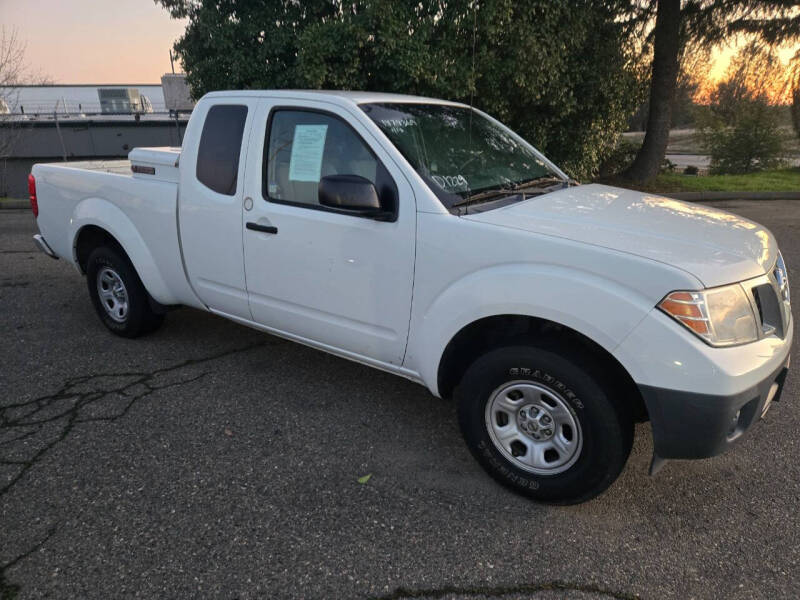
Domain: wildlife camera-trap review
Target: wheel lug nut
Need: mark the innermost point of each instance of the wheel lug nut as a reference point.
(545, 419)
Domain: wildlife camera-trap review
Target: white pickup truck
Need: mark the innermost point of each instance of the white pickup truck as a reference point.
(424, 238)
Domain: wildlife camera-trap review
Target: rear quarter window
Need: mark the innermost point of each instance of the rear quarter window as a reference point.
(220, 147)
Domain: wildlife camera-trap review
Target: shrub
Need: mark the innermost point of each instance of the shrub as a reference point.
(618, 159)
(745, 138)
(741, 127)
(667, 166)
(691, 170)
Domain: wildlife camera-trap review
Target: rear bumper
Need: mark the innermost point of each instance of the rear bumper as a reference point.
(43, 246)
(690, 425)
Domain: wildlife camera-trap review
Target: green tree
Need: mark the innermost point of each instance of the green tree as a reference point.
(561, 74)
(742, 126)
(694, 69)
(705, 22)
(794, 88)
(692, 74)
(748, 140)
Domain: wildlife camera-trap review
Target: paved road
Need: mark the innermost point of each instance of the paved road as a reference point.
(681, 161)
(209, 460)
(703, 161)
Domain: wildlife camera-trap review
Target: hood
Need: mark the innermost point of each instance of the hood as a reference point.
(715, 246)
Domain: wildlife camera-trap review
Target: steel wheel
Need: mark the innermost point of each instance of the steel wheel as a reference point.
(534, 427)
(113, 295)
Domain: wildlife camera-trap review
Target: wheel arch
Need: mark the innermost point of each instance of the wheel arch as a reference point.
(478, 337)
(95, 222)
(87, 239)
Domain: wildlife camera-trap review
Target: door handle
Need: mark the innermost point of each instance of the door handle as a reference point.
(262, 228)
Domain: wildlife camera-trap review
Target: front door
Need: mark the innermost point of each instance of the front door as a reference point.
(321, 274)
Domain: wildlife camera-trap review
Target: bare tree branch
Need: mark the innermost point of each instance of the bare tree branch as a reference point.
(13, 73)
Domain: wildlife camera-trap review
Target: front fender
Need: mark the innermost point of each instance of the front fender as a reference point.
(105, 215)
(602, 310)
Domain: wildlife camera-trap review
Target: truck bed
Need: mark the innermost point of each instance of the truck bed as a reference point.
(119, 167)
(139, 209)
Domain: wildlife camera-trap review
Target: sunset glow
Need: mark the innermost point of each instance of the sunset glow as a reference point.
(94, 41)
(721, 59)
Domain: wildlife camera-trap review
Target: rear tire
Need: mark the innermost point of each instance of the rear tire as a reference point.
(117, 293)
(542, 425)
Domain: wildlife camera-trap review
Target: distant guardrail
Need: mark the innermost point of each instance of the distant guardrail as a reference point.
(71, 107)
(77, 116)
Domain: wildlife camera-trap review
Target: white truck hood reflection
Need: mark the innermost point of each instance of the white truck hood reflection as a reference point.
(715, 246)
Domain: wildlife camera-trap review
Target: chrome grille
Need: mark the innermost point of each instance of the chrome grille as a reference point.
(781, 276)
(769, 298)
(769, 309)
(769, 295)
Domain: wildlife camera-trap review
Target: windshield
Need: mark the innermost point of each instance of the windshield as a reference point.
(462, 155)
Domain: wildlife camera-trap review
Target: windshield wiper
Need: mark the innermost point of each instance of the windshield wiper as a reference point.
(480, 196)
(506, 190)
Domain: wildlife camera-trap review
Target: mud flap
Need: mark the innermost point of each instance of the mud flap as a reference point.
(656, 464)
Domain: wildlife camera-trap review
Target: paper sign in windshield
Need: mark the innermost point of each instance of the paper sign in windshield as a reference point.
(308, 145)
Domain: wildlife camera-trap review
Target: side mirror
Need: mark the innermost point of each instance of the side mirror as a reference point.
(350, 192)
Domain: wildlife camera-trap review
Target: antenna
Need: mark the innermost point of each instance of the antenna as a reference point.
(474, 37)
(472, 79)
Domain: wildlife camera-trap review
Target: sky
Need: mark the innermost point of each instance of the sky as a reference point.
(94, 41)
(124, 41)
(721, 57)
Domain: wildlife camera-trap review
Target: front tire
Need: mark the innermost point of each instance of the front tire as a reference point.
(542, 425)
(117, 293)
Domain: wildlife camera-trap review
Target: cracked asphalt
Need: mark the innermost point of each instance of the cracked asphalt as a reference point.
(210, 460)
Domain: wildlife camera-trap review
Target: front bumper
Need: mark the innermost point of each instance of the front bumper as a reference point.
(691, 425)
(693, 391)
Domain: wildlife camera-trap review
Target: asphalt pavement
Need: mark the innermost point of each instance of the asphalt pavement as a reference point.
(210, 460)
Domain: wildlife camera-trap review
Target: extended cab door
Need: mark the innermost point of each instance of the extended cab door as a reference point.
(212, 167)
(321, 274)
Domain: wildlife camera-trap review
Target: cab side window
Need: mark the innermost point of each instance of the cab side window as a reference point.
(220, 147)
(305, 146)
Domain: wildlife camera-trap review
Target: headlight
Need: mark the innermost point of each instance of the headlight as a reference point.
(720, 316)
